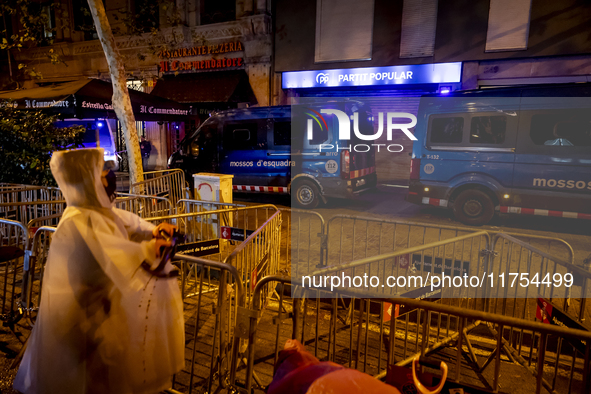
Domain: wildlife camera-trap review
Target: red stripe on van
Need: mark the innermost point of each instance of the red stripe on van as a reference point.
(363, 172)
(260, 189)
(543, 212)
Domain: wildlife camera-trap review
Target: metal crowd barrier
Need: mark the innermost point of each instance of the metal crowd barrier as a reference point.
(454, 256)
(26, 202)
(259, 254)
(186, 205)
(14, 244)
(351, 237)
(206, 227)
(168, 183)
(304, 246)
(34, 269)
(213, 334)
(352, 331)
(225, 329)
(509, 254)
(144, 206)
(211, 365)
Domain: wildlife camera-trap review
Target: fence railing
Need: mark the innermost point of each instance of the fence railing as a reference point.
(14, 247)
(144, 206)
(352, 332)
(168, 183)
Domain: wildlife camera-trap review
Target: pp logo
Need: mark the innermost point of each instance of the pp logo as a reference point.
(322, 78)
(429, 168)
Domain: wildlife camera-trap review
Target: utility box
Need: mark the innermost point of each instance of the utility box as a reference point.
(213, 187)
(217, 188)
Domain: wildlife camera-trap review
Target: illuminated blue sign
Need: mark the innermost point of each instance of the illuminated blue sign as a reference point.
(374, 76)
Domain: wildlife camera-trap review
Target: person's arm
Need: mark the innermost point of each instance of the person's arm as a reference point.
(119, 257)
(137, 228)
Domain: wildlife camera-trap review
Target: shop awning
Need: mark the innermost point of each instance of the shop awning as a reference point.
(91, 99)
(206, 87)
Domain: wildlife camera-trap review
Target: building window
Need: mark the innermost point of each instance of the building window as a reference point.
(147, 15)
(508, 25)
(488, 129)
(217, 11)
(419, 20)
(83, 20)
(43, 26)
(344, 30)
(447, 130)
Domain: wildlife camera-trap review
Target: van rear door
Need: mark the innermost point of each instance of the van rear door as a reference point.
(553, 161)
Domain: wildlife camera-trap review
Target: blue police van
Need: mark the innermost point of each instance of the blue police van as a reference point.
(268, 153)
(520, 150)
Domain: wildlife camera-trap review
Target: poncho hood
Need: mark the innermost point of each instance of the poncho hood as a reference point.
(78, 174)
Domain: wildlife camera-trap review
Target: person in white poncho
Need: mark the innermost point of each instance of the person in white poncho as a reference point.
(105, 324)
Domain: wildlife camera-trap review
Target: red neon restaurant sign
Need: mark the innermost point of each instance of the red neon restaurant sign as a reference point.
(179, 65)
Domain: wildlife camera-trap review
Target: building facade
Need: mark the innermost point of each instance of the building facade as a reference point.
(366, 48)
(212, 54)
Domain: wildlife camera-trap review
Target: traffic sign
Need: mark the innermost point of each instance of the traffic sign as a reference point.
(234, 233)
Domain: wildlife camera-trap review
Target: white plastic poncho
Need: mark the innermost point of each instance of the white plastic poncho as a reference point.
(104, 324)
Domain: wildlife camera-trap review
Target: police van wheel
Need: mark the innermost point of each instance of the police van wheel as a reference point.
(473, 207)
(306, 194)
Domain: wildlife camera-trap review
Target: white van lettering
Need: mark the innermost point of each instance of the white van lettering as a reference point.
(241, 164)
(561, 183)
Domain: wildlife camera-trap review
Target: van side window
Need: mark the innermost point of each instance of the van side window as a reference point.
(561, 128)
(488, 129)
(282, 133)
(447, 130)
(240, 135)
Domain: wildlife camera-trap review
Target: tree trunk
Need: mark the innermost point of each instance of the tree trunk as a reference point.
(121, 101)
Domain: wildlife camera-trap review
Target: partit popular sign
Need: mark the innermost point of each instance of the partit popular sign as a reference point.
(374, 76)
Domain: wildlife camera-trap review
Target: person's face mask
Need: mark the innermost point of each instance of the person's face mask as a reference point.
(109, 181)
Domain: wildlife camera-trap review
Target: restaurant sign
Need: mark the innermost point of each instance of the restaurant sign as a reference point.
(171, 60)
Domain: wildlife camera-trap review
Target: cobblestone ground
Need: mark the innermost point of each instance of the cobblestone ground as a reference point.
(9, 348)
